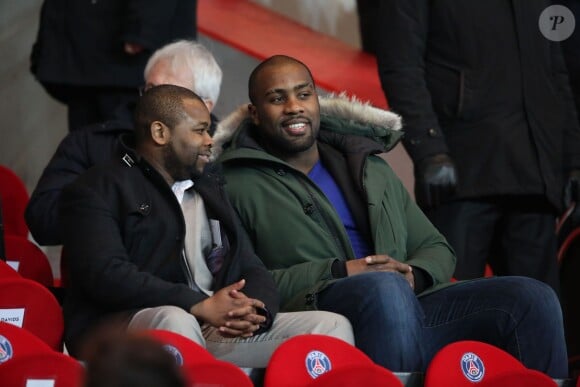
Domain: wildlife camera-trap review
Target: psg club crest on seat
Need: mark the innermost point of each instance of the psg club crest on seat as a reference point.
(175, 352)
(472, 367)
(6, 351)
(317, 363)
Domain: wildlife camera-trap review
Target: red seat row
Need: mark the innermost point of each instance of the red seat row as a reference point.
(302, 361)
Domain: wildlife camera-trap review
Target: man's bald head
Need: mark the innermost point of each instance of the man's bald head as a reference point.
(273, 61)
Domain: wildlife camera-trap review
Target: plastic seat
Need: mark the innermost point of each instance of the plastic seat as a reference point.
(28, 304)
(466, 363)
(54, 369)
(357, 375)
(318, 360)
(199, 366)
(184, 350)
(32, 262)
(16, 342)
(14, 198)
(6, 271)
(522, 378)
(216, 373)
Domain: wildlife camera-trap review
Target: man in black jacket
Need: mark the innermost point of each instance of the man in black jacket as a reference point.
(90, 54)
(490, 126)
(183, 63)
(152, 242)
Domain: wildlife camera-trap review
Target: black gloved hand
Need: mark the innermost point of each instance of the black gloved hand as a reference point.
(435, 181)
(572, 188)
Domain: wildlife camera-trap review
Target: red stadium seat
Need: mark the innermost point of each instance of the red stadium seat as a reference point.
(28, 304)
(54, 369)
(16, 342)
(357, 375)
(199, 366)
(216, 373)
(31, 261)
(8, 272)
(318, 360)
(184, 350)
(521, 378)
(14, 198)
(466, 363)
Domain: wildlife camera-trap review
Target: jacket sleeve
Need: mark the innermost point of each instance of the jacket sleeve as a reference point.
(400, 54)
(150, 22)
(402, 230)
(293, 284)
(98, 262)
(68, 162)
(241, 262)
(299, 282)
(426, 247)
(259, 281)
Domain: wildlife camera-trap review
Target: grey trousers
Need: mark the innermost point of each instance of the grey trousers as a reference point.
(253, 352)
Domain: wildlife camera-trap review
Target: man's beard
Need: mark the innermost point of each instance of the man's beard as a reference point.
(282, 146)
(175, 167)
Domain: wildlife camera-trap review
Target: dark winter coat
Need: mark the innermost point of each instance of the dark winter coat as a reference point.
(81, 42)
(124, 231)
(477, 79)
(77, 152)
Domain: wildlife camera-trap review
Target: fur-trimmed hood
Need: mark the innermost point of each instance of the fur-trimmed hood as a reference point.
(381, 123)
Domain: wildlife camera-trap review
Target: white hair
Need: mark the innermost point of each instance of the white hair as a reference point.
(205, 72)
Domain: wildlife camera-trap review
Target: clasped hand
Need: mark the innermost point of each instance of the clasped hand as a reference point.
(373, 263)
(231, 311)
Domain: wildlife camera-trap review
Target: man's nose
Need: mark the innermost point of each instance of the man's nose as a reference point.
(293, 105)
(208, 140)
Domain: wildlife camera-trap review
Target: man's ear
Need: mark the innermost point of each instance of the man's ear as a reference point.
(160, 133)
(253, 114)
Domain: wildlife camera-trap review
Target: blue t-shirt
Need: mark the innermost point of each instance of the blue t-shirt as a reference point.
(322, 177)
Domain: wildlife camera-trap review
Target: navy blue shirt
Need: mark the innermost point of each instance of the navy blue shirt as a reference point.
(322, 177)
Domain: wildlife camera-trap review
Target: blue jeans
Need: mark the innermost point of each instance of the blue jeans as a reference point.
(402, 332)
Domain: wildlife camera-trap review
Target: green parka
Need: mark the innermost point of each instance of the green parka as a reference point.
(295, 229)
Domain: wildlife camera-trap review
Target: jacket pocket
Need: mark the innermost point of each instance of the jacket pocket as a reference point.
(446, 84)
(135, 226)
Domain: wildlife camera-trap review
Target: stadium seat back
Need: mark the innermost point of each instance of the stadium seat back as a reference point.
(42, 369)
(300, 360)
(200, 367)
(28, 260)
(466, 363)
(16, 342)
(6, 271)
(216, 373)
(29, 305)
(184, 350)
